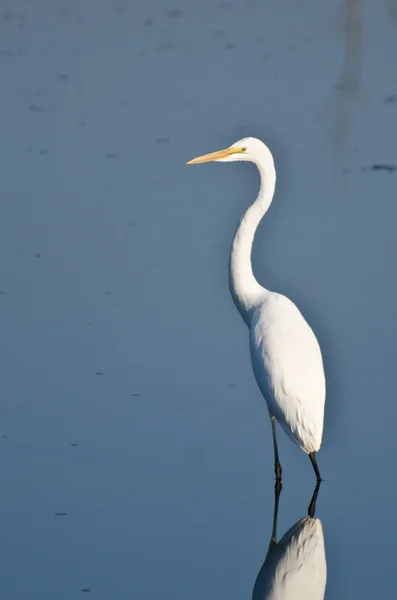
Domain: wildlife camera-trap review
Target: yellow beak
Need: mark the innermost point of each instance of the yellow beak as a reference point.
(215, 155)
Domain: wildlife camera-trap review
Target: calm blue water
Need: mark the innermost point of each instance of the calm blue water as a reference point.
(135, 448)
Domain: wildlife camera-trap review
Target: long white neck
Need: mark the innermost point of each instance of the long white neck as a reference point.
(244, 288)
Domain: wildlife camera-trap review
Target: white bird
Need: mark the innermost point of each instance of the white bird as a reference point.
(285, 355)
(295, 568)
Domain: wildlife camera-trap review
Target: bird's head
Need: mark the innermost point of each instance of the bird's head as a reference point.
(248, 149)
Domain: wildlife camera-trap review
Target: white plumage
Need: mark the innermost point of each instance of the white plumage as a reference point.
(286, 360)
(285, 355)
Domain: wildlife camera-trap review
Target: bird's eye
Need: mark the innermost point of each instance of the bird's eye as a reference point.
(244, 149)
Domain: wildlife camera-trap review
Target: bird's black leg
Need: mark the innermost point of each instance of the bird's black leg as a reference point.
(277, 465)
(315, 467)
(277, 491)
(312, 506)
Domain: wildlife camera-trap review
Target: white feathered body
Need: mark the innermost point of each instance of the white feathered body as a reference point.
(288, 367)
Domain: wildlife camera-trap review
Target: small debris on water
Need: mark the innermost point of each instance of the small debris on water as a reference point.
(380, 167)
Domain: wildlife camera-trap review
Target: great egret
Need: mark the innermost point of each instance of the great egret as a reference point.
(285, 355)
(295, 567)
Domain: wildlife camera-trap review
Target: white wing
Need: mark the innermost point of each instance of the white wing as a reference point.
(288, 367)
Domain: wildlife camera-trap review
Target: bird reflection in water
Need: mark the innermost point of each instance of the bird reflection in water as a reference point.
(295, 567)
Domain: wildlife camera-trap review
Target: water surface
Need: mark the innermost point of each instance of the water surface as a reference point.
(136, 452)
